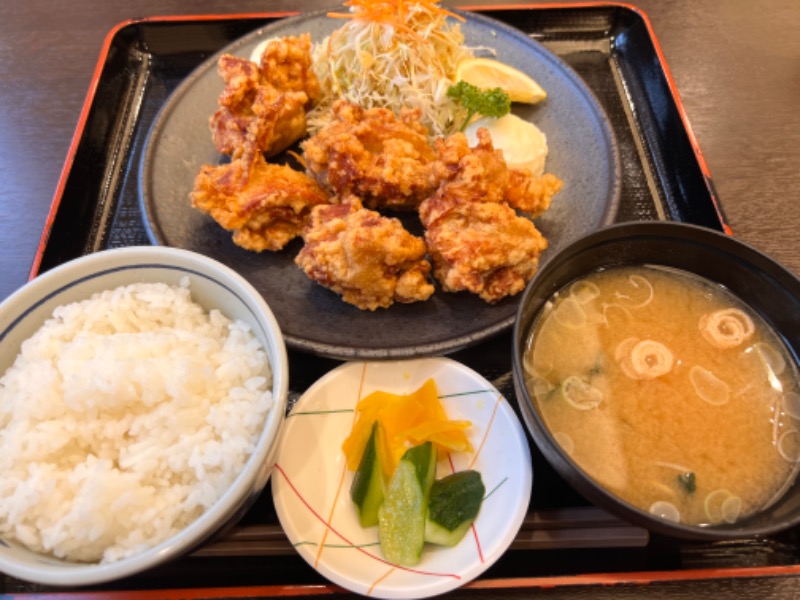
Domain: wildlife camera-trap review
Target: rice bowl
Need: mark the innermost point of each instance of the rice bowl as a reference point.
(132, 456)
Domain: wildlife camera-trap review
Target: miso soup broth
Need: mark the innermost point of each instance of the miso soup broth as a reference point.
(669, 392)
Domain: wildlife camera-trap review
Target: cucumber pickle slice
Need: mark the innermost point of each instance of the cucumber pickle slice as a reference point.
(454, 504)
(401, 517)
(366, 490)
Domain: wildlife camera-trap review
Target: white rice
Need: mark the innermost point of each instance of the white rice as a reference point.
(123, 419)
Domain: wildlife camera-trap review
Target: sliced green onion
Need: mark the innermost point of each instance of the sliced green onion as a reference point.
(708, 386)
(726, 328)
(570, 314)
(666, 510)
(713, 505)
(580, 394)
(637, 281)
(584, 291)
(789, 445)
(731, 508)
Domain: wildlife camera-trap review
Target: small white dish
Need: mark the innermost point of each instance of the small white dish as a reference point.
(311, 483)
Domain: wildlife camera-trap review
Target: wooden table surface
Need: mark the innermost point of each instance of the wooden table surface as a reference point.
(736, 66)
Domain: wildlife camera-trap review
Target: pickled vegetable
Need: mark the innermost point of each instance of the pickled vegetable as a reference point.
(367, 488)
(401, 517)
(406, 420)
(453, 506)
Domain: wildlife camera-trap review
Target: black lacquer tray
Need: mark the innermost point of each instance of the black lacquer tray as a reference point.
(564, 540)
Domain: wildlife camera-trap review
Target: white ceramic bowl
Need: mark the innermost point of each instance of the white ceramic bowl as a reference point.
(212, 285)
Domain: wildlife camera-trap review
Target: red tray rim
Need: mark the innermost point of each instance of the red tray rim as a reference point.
(296, 590)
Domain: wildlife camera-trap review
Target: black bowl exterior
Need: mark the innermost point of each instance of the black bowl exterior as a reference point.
(766, 286)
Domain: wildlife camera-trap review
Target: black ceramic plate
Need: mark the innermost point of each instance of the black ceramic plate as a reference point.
(582, 152)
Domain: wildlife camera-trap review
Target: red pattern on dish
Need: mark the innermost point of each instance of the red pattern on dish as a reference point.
(329, 527)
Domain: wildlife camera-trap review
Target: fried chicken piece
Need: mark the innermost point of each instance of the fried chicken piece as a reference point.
(272, 97)
(265, 205)
(369, 259)
(383, 159)
(531, 194)
(287, 65)
(481, 247)
(481, 173)
(475, 238)
(477, 173)
(241, 78)
(280, 117)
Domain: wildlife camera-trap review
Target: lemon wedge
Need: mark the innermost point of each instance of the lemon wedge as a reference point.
(487, 73)
(523, 144)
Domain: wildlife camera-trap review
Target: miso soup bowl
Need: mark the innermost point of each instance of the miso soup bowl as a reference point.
(767, 287)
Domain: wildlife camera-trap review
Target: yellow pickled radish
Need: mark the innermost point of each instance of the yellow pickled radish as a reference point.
(523, 144)
(406, 420)
(487, 73)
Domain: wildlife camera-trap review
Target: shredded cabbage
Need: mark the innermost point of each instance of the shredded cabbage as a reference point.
(406, 59)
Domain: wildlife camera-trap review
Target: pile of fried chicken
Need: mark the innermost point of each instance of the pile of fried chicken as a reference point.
(476, 212)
